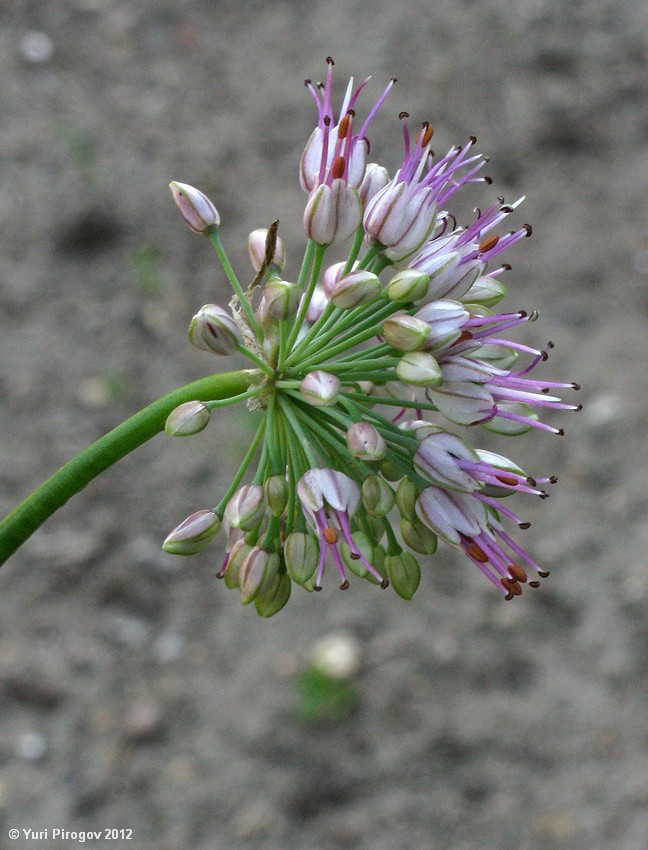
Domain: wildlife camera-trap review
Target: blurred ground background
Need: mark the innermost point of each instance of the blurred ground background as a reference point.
(135, 691)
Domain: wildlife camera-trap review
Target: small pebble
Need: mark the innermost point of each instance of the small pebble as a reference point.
(36, 47)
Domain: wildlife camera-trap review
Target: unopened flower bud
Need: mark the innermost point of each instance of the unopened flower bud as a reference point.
(419, 369)
(377, 496)
(406, 495)
(246, 507)
(404, 573)
(408, 285)
(485, 291)
(276, 494)
(238, 553)
(195, 207)
(391, 471)
(354, 289)
(405, 333)
(271, 601)
(376, 178)
(258, 572)
(364, 441)
(445, 319)
(301, 554)
(418, 537)
(257, 249)
(350, 557)
(187, 419)
(332, 274)
(213, 329)
(193, 534)
(332, 213)
(320, 388)
(282, 298)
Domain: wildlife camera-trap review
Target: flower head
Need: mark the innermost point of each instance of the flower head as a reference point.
(368, 373)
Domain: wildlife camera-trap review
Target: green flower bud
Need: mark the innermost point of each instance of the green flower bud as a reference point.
(377, 496)
(418, 537)
(408, 285)
(271, 601)
(404, 573)
(187, 419)
(246, 507)
(276, 494)
(405, 333)
(258, 573)
(419, 369)
(301, 554)
(282, 298)
(391, 471)
(364, 441)
(485, 291)
(406, 496)
(350, 559)
(193, 534)
(240, 551)
(354, 289)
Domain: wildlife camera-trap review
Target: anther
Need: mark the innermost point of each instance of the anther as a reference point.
(524, 525)
(561, 432)
(337, 169)
(517, 573)
(329, 61)
(355, 556)
(343, 126)
(488, 180)
(543, 495)
(509, 596)
(308, 83)
(384, 583)
(544, 574)
(528, 228)
(426, 134)
(327, 120)
(553, 479)
(317, 587)
(500, 199)
(473, 140)
(477, 553)
(533, 315)
(344, 585)
(534, 584)
(506, 209)
(544, 355)
(403, 115)
(578, 407)
(330, 535)
(487, 244)
(550, 344)
(507, 267)
(508, 479)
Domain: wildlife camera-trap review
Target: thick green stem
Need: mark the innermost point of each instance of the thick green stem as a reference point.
(23, 521)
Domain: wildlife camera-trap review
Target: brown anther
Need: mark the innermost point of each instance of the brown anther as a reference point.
(500, 199)
(578, 407)
(337, 169)
(544, 574)
(524, 525)
(403, 115)
(534, 584)
(308, 83)
(506, 209)
(327, 120)
(561, 432)
(544, 355)
(550, 344)
(517, 590)
(477, 552)
(317, 587)
(487, 244)
(575, 386)
(355, 556)
(507, 267)
(553, 479)
(528, 228)
(509, 596)
(329, 60)
(330, 535)
(507, 479)
(426, 134)
(344, 585)
(487, 180)
(473, 140)
(517, 573)
(343, 126)
(384, 583)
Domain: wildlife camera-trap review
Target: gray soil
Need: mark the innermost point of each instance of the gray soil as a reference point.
(136, 692)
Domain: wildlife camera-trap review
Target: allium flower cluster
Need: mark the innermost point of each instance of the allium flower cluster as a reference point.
(368, 372)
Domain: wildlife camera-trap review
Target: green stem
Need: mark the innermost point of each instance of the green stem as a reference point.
(214, 238)
(23, 521)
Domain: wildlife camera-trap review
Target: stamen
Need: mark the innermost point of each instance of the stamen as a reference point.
(330, 535)
(487, 244)
(517, 573)
(337, 169)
